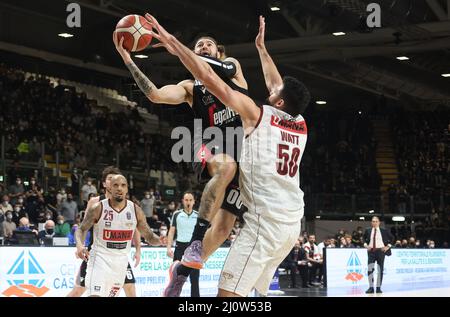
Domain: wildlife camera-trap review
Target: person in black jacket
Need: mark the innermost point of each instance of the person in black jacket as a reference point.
(296, 261)
(378, 243)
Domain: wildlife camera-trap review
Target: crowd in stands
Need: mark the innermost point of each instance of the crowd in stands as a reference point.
(340, 154)
(34, 110)
(422, 142)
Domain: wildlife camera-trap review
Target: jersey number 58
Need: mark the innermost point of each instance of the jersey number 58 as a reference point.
(288, 160)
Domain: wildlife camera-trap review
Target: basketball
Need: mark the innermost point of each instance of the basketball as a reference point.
(136, 32)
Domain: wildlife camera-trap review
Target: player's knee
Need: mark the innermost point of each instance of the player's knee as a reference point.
(227, 171)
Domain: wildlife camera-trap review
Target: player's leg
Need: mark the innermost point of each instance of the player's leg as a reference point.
(79, 287)
(222, 168)
(221, 227)
(129, 286)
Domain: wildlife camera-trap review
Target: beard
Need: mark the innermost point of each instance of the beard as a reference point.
(118, 199)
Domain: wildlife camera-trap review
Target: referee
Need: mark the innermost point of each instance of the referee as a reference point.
(182, 226)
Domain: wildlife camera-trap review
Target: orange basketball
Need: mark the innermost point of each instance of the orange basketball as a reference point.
(136, 32)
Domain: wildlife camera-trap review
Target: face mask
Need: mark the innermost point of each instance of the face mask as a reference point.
(63, 192)
(33, 182)
(5, 203)
(18, 182)
(48, 217)
(17, 209)
(431, 246)
(147, 196)
(163, 233)
(151, 193)
(60, 222)
(20, 201)
(89, 183)
(49, 231)
(9, 217)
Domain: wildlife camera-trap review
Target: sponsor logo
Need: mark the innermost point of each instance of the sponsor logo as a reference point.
(354, 269)
(97, 288)
(108, 224)
(289, 125)
(223, 116)
(117, 235)
(116, 245)
(26, 277)
(207, 100)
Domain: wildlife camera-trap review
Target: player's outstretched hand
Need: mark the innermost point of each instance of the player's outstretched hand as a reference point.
(259, 41)
(165, 38)
(82, 253)
(119, 47)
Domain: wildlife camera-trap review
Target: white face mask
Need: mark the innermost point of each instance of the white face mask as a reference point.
(89, 183)
(9, 217)
(17, 209)
(20, 200)
(60, 222)
(5, 203)
(63, 192)
(147, 196)
(33, 182)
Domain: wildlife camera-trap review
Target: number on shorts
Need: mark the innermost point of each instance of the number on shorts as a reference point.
(234, 198)
(129, 275)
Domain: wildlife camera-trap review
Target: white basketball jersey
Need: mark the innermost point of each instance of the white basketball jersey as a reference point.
(269, 166)
(114, 230)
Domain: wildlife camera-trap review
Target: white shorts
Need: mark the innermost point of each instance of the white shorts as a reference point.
(260, 247)
(105, 274)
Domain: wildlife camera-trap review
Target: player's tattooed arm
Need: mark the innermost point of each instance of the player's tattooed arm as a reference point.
(144, 229)
(142, 81)
(91, 216)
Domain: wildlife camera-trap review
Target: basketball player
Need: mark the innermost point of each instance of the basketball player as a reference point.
(114, 219)
(275, 139)
(129, 285)
(219, 168)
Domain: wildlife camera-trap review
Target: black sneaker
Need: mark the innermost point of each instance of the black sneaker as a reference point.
(379, 290)
(370, 290)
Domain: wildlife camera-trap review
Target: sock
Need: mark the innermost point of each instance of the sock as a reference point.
(184, 270)
(200, 229)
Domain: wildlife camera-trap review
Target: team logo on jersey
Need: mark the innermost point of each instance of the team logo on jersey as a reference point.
(207, 100)
(117, 235)
(129, 215)
(97, 288)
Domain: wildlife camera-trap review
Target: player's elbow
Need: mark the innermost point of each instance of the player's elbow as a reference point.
(154, 96)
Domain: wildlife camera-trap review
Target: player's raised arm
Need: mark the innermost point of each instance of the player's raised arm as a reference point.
(91, 215)
(271, 75)
(237, 101)
(144, 229)
(170, 94)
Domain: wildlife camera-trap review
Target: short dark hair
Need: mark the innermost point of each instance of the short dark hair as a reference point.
(295, 95)
(110, 170)
(205, 36)
(188, 193)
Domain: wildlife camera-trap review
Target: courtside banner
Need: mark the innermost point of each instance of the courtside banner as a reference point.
(405, 267)
(51, 271)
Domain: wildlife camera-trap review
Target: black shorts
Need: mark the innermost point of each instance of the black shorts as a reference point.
(129, 278)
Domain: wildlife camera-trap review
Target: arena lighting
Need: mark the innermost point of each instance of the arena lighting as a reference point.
(402, 58)
(371, 211)
(274, 8)
(321, 102)
(398, 218)
(65, 35)
(446, 75)
(317, 217)
(338, 33)
(141, 56)
(362, 218)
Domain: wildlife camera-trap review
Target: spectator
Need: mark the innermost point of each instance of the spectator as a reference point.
(314, 261)
(166, 214)
(61, 197)
(48, 215)
(432, 245)
(398, 244)
(24, 225)
(147, 205)
(71, 236)
(342, 242)
(87, 189)
(412, 243)
(297, 261)
(69, 210)
(404, 243)
(357, 237)
(8, 226)
(348, 241)
(5, 206)
(48, 232)
(62, 229)
(75, 179)
(16, 190)
(18, 213)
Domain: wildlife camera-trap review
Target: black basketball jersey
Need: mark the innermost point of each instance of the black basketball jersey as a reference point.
(211, 110)
(91, 231)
